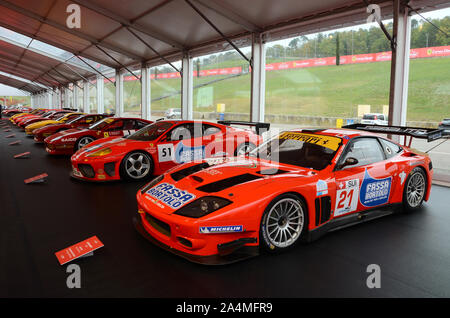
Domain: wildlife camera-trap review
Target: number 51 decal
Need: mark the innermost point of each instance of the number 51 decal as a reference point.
(346, 197)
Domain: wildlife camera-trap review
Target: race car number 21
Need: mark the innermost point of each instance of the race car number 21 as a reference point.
(346, 197)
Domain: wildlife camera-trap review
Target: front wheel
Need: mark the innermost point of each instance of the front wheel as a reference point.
(137, 166)
(415, 189)
(283, 223)
(83, 141)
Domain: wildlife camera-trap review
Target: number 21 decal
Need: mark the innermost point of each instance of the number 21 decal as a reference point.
(346, 197)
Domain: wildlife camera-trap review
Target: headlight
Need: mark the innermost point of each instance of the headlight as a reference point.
(152, 183)
(203, 206)
(99, 153)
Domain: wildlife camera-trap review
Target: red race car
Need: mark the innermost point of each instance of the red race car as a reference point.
(159, 147)
(68, 141)
(54, 114)
(82, 121)
(296, 187)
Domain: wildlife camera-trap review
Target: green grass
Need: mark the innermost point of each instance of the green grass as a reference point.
(321, 91)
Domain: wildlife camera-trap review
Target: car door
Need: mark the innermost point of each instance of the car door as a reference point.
(115, 129)
(366, 184)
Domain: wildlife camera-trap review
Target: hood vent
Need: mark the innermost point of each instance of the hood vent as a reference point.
(227, 183)
(271, 172)
(183, 173)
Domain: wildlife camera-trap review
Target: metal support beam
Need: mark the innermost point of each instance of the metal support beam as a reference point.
(258, 79)
(119, 93)
(86, 107)
(76, 92)
(146, 110)
(100, 99)
(398, 95)
(187, 88)
(93, 68)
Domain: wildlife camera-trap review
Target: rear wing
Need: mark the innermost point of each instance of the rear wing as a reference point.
(259, 127)
(430, 134)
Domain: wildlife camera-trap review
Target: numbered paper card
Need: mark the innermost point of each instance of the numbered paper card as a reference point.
(165, 153)
(346, 197)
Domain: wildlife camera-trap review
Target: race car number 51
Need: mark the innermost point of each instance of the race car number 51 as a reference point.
(165, 152)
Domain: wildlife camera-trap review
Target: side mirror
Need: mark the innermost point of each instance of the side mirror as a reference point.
(350, 161)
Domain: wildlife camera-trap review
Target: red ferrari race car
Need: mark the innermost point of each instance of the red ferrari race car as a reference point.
(68, 141)
(296, 187)
(83, 121)
(161, 146)
(54, 114)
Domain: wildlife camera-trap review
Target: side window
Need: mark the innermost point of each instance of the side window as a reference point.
(381, 117)
(365, 150)
(210, 130)
(88, 120)
(181, 132)
(140, 124)
(390, 148)
(117, 125)
(128, 124)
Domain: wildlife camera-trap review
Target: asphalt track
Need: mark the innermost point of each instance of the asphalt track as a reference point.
(412, 250)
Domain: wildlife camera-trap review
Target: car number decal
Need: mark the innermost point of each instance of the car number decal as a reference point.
(346, 197)
(165, 152)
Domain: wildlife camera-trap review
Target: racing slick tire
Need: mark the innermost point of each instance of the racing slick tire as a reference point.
(283, 224)
(244, 148)
(136, 165)
(83, 141)
(414, 190)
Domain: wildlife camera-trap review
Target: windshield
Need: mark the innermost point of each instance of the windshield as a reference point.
(151, 132)
(101, 124)
(300, 149)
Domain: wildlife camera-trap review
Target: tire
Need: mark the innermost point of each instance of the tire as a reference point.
(137, 165)
(244, 148)
(275, 233)
(83, 141)
(414, 190)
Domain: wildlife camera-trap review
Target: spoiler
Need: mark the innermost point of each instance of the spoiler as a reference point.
(258, 126)
(430, 134)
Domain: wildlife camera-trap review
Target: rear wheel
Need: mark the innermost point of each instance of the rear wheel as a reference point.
(244, 148)
(83, 141)
(136, 165)
(415, 189)
(283, 223)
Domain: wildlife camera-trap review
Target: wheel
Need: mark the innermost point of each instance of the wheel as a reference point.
(244, 148)
(83, 141)
(414, 189)
(283, 223)
(136, 166)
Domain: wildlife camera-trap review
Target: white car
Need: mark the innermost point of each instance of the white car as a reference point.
(374, 119)
(173, 113)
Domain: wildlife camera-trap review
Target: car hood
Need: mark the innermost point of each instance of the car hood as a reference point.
(118, 145)
(211, 177)
(43, 123)
(74, 132)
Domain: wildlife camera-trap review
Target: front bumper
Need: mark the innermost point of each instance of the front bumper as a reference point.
(63, 149)
(238, 254)
(96, 170)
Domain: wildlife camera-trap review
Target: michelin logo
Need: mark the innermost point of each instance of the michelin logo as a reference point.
(374, 192)
(221, 229)
(170, 195)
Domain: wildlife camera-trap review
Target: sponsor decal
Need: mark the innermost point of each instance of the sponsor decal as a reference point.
(346, 197)
(185, 153)
(105, 135)
(329, 142)
(321, 188)
(221, 229)
(402, 176)
(415, 163)
(170, 195)
(374, 192)
(68, 139)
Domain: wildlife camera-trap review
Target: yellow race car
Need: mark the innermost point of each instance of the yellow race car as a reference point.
(29, 130)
